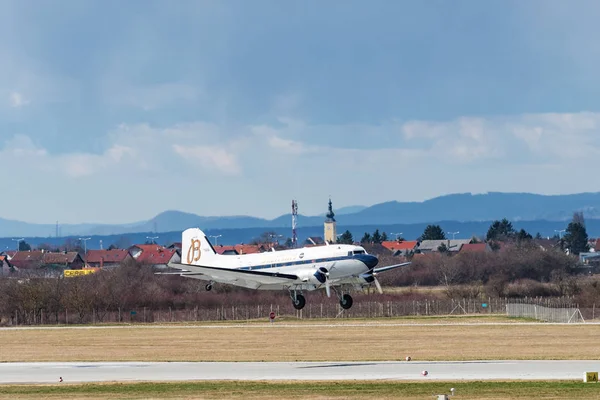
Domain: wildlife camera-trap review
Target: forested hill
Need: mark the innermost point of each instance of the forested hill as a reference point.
(454, 207)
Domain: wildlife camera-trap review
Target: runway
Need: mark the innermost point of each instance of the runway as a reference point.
(73, 372)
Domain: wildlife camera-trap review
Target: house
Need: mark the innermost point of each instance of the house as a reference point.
(454, 246)
(475, 248)
(547, 244)
(589, 262)
(590, 258)
(154, 255)
(107, 258)
(63, 260)
(36, 259)
(176, 246)
(376, 249)
(400, 248)
(32, 259)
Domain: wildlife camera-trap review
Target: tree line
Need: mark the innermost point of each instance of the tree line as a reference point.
(522, 270)
(575, 239)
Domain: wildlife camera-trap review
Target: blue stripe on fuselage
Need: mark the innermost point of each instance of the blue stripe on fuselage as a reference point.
(299, 262)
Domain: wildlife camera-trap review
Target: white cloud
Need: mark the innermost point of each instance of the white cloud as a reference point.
(211, 158)
(146, 163)
(22, 146)
(17, 100)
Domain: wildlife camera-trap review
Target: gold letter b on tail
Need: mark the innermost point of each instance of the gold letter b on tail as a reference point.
(194, 251)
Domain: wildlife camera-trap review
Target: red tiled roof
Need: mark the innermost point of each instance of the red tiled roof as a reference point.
(473, 247)
(394, 245)
(107, 256)
(60, 258)
(27, 259)
(154, 254)
(34, 255)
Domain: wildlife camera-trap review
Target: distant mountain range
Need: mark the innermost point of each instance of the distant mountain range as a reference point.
(246, 235)
(455, 207)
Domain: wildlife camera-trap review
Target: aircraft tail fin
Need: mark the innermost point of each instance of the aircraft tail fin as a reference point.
(196, 249)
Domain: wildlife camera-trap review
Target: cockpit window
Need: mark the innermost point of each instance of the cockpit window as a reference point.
(359, 252)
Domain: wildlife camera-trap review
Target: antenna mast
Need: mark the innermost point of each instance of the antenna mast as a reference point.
(294, 223)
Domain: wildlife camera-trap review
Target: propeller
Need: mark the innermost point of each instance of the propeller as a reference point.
(377, 284)
(370, 278)
(322, 276)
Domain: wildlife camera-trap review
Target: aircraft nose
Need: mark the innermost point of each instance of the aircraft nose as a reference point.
(368, 259)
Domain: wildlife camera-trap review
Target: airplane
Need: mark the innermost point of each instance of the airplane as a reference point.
(340, 267)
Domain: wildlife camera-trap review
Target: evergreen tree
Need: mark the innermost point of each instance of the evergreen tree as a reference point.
(538, 235)
(376, 238)
(366, 238)
(500, 230)
(24, 246)
(384, 237)
(346, 238)
(433, 232)
(523, 235)
(578, 218)
(576, 237)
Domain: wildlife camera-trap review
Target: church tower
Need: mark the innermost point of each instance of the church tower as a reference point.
(330, 229)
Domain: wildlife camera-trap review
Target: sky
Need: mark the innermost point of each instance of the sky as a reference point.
(112, 112)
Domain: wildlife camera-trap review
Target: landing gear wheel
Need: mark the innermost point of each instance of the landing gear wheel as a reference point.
(208, 287)
(346, 301)
(299, 302)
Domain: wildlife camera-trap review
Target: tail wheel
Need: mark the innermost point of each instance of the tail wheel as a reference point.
(346, 301)
(299, 302)
(208, 287)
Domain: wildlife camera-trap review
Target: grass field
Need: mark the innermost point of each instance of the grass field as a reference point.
(291, 341)
(306, 390)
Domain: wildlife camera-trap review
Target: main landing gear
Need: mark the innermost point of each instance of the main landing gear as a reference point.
(298, 300)
(346, 301)
(208, 286)
(344, 298)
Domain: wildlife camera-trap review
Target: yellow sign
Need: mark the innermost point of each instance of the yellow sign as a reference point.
(591, 377)
(193, 253)
(78, 272)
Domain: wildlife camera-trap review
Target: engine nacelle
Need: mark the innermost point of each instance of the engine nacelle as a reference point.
(321, 274)
(367, 278)
(317, 277)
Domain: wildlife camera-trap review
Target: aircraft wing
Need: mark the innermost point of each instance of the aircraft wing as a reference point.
(367, 276)
(239, 277)
(389, 267)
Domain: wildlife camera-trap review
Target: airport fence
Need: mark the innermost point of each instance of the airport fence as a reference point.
(548, 310)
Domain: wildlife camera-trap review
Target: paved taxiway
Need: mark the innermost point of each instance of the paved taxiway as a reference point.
(396, 370)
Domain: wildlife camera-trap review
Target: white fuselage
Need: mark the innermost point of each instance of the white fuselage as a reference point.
(340, 261)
